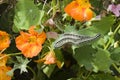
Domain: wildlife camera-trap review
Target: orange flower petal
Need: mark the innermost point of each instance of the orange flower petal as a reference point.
(59, 64)
(41, 37)
(30, 43)
(84, 3)
(3, 73)
(22, 41)
(4, 40)
(88, 14)
(70, 7)
(40, 60)
(3, 61)
(50, 58)
(32, 51)
(77, 12)
(32, 31)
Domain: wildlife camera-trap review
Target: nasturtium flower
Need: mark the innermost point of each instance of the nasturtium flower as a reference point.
(4, 40)
(30, 44)
(83, 3)
(3, 68)
(3, 73)
(79, 10)
(50, 58)
(3, 59)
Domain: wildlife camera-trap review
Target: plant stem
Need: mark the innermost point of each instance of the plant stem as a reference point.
(88, 75)
(2, 51)
(12, 54)
(44, 4)
(34, 74)
(110, 40)
(116, 67)
(116, 29)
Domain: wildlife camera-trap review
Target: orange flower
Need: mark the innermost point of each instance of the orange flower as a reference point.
(3, 68)
(3, 73)
(30, 43)
(42, 35)
(79, 10)
(4, 40)
(3, 60)
(49, 58)
(84, 3)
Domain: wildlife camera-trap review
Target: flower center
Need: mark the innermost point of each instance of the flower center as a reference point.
(2, 37)
(32, 39)
(84, 3)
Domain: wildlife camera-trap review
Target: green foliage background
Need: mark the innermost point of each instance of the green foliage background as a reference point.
(98, 61)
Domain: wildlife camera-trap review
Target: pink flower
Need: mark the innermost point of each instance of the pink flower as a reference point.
(115, 9)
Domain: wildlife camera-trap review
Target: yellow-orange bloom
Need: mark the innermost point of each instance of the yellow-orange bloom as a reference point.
(4, 40)
(83, 3)
(50, 58)
(79, 10)
(3, 73)
(30, 43)
(3, 68)
(3, 59)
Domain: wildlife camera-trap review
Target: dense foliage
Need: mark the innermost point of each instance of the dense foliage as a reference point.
(60, 40)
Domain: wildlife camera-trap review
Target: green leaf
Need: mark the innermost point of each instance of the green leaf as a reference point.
(102, 61)
(101, 26)
(75, 79)
(48, 70)
(117, 78)
(59, 55)
(41, 75)
(119, 31)
(70, 29)
(115, 55)
(83, 55)
(101, 76)
(26, 15)
(21, 64)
